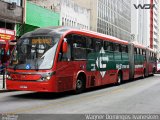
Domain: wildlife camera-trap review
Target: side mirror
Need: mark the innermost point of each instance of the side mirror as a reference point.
(65, 46)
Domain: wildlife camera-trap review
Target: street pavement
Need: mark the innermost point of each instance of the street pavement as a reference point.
(138, 97)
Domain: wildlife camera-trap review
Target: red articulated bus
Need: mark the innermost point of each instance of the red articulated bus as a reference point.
(62, 59)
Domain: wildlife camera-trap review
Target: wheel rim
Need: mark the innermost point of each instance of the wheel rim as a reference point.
(79, 84)
(119, 79)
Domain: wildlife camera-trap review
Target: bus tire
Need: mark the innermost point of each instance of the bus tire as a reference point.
(154, 71)
(119, 78)
(80, 84)
(144, 73)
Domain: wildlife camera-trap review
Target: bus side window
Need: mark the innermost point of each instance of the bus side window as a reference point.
(108, 46)
(111, 46)
(123, 48)
(117, 48)
(135, 50)
(89, 45)
(79, 51)
(98, 45)
(126, 49)
(120, 48)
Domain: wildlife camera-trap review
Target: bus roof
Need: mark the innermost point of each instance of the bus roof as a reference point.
(45, 31)
(49, 31)
(138, 45)
(96, 35)
(106, 37)
(151, 50)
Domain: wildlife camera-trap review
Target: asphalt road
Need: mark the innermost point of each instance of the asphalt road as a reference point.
(139, 97)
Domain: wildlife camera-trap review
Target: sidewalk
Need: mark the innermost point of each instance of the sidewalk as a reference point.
(1, 84)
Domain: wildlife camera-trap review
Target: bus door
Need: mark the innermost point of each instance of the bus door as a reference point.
(65, 68)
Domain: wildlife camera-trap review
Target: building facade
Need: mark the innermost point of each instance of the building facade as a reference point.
(145, 23)
(111, 17)
(158, 32)
(155, 26)
(140, 27)
(37, 16)
(11, 13)
(71, 14)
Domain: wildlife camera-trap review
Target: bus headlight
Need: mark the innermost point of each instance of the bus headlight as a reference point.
(46, 77)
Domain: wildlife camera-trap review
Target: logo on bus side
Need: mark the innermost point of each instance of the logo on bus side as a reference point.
(99, 63)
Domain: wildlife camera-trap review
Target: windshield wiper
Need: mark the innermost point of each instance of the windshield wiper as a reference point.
(15, 67)
(36, 58)
(36, 64)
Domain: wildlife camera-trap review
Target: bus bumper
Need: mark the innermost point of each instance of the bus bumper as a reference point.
(30, 86)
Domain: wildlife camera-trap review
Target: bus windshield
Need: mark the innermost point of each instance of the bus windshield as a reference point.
(34, 53)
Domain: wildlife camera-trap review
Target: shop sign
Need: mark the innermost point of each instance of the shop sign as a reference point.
(6, 34)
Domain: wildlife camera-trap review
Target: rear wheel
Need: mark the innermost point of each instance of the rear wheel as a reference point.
(119, 79)
(144, 74)
(80, 84)
(154, 71)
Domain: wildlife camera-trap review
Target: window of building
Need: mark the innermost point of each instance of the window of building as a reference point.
(18, 2)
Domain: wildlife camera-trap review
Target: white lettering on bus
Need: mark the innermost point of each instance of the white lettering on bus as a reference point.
(121, 66)
(138, 66)
(94, 67)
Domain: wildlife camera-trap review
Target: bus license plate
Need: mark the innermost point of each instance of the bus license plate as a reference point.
(23, 86)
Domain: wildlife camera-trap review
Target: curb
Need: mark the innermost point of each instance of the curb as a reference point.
(4, 90)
